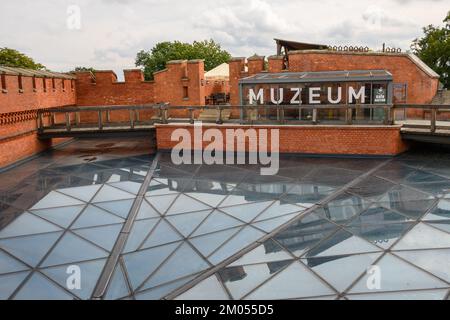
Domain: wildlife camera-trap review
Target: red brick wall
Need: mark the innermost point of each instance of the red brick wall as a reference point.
(421, 87)
(18, 117)
(339, 140)
(32, 99)
(170, 83)
(107, 91)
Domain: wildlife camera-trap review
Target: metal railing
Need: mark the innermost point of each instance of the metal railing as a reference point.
(134, 117)
(422, 117)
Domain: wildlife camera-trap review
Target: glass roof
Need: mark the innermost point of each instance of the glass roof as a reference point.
(323, 76)
(68, 208)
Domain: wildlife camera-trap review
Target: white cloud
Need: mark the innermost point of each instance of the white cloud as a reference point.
(113, 31)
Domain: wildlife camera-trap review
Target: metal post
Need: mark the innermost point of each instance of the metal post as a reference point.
(163, 115)
(314, 116)
(433, 120)
(136, 115)
(131, 119)
(282, 115)
(77, 118)
(191, 115)
(108, 116)
(68, 128)
(386, 115)
(242, 113)
(219, 115)
(40, 122)
(349, 116)
(100, 120)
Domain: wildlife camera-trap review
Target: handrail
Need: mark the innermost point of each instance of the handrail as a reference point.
(282, 116)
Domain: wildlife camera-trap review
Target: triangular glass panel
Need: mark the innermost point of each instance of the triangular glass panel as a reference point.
(40, 288)
(128, 186)
(156, 188)
(423, 295)
(208, 243)
(304, 234)
(142, 263)
(8, 264)
(73, 249)
(185, 261)
(436, 262)
(108, 193)
(397, 275)
(9, 283)
(441, 225)
(208, 289)
(62, 216)
(162, 234)
(160, 292)
(341, 271)
(278, 209)
(120, 208)
(269, 251)
(381, 235)
(27, 224)
(247, 212)
(217, 221)
(90, 272)
(56, 199)
(138, 233)
(242, 239)
(186, 204)
(210, 199)
(236, 199)
(105, 236)
(93, 216)
(83, 193)
(441, 212)
(118, 287)
(423, 236)
(30, 249)
(187, 222)
(162, 203)
(241, 280)
(296, 281)
(342, 243)
(146, 211)
(272, 224)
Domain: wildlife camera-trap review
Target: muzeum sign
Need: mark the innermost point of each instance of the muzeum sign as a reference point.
(315, 88)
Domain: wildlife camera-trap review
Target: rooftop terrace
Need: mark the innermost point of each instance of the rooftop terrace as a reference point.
(140, 227)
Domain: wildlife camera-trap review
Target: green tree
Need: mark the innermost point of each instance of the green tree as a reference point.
(13, 58)
(83, 69)
(434, 49)
(156, 59)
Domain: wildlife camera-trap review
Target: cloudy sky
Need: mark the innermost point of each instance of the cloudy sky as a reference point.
(111, 32)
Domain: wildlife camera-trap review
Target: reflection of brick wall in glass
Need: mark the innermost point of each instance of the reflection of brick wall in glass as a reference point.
(400, 93)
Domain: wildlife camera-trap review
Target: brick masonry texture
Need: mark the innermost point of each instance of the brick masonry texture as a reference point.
(322, 140)
(18, 117)
(183, 83)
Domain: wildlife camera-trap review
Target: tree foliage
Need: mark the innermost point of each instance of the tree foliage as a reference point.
(83, 69)
(156, 59)
(434, 49)
(13, 58)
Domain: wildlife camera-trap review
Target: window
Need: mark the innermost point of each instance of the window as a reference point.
(53, 84)
(20, 80)
(3, 81)
(72, 85)
(34, 83)
(44, 84)
(185, 93)
(63, 84)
